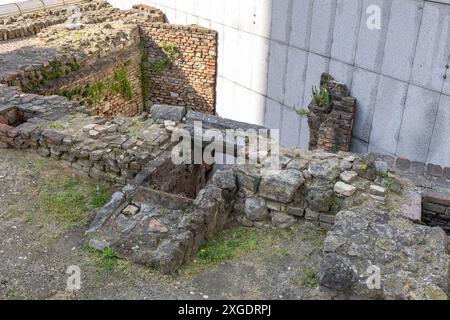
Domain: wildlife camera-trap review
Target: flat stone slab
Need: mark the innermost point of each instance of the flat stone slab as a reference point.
(373, 254)
(166, 112)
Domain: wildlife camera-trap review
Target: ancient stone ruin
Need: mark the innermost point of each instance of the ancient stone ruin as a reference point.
(331, 116)
(106, 99)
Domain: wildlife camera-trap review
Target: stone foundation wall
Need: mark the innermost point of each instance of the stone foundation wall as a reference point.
(19, 26)
(312, 186)
(97, 11)
(332, 131)
(181, 65)
(436, 210)
(108, 150)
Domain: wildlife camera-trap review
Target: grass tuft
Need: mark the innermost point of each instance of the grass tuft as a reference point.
(106, 261)
(228, 244)
(69, 201)
(308, 277)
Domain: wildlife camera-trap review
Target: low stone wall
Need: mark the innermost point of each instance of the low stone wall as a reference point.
(19, 26)
(91, 12)
(436, 210)
(111, 150)
(101, 65)
(313, 186)
(181, 65)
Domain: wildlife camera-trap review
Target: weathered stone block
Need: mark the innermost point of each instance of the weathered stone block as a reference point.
(378, 191)
(311, 215)
(248, 178)
(348, 176)
(328, 169)
(256, 209)
(296, 211)
(281, 187)
(344, 189)
(282, 220)
(368, 239)
(166, 112)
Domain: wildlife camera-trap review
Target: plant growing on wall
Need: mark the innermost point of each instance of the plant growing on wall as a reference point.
(93, 93)
(170, 54)
(121, 84)
(321, 97)
(302, 112)
(55, 70)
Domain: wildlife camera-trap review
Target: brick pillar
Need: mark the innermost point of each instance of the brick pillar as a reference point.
(332, 130)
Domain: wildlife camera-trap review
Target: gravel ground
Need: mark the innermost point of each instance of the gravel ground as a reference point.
(35, 252)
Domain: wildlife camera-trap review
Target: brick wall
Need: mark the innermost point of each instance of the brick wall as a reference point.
(436, 210)
(190, 79)
(332, 131)
(111, 103)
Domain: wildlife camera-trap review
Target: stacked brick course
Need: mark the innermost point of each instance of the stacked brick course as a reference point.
(111, 103)
(190, 79)
(436, 210)
(332, 131)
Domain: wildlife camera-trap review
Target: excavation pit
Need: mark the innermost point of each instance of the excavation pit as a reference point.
(436, 210)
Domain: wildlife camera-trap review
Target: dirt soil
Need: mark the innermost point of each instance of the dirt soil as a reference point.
(36, 249)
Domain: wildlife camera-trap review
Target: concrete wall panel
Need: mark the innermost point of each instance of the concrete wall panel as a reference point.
(401, 38)
(301, 23)
(290, 130)
(432, 48)
(295, 78)
(388, 114)
(371, 42)
(346, 29)
(277, 71)
(322, 25)
(418, 122)
(440, 142)
(364, 87)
